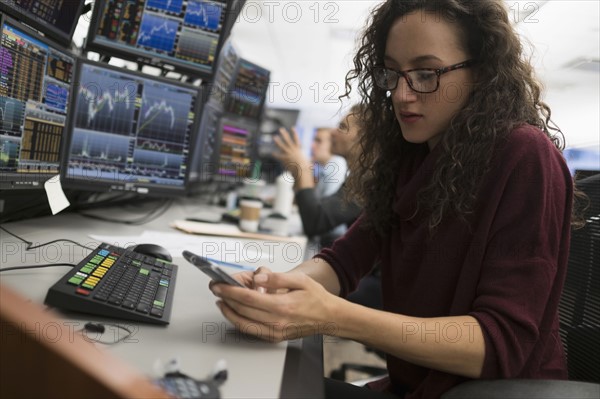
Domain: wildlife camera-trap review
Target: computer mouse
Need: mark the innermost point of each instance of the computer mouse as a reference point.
(153, 250)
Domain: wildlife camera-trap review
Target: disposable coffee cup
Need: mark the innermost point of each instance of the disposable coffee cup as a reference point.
(250, 215)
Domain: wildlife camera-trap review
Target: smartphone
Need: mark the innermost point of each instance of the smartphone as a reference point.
(210, 269)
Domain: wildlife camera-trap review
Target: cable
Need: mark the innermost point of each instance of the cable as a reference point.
(7, 269)
(29, 243)
(100, 328)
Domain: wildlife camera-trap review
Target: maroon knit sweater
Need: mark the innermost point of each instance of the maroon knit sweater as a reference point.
(507, 271)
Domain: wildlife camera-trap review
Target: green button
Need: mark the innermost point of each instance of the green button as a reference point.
(136, 262)
(96, 260)
(159, 304)
(91, 287)
(163, 261)
(75, 280)
(86, 269)
(145, 271)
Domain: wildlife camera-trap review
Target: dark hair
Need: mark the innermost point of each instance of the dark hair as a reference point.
(503, 77)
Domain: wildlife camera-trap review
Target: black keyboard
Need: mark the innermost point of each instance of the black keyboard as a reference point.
(118, 283)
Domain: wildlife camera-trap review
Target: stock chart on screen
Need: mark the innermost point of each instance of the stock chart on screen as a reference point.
(129, 129)
(184, 34)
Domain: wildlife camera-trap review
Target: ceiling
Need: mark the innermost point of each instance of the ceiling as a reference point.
(308, 45)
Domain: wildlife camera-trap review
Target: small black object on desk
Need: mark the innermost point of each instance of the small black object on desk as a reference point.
(153, 250)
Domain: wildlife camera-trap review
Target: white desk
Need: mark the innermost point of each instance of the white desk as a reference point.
(198, 334)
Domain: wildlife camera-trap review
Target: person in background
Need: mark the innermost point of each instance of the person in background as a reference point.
(468, 206)
(331, 169)
(326, 217)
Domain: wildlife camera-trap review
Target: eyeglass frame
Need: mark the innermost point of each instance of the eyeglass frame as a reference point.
(438, 72)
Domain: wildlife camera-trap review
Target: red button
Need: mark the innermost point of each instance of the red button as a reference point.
(82, 291)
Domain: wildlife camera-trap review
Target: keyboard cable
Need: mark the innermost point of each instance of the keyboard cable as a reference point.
(31, 246)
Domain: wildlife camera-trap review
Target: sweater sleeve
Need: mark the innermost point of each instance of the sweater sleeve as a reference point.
(353, 255)
(526, 255)
(322, 215)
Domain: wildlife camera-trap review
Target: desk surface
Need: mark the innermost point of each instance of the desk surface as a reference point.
(198, 335)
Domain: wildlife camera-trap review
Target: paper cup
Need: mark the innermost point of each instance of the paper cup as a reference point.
(250, 215)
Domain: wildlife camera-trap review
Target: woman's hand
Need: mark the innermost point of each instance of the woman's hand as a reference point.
(291, 155)
(293, 306)
(245, 278)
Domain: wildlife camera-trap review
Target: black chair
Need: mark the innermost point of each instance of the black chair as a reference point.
(579, 322)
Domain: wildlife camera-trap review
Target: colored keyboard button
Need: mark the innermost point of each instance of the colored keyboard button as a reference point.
(96, 259)
(159, 304)
(75, 280)
(82, 291)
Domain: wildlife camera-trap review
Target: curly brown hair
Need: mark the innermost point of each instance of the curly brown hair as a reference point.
(505, 95)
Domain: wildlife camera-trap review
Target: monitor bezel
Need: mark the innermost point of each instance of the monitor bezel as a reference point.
(146, 189)
(201, 165)
(16, 180)
(92, 44)
(10, 8)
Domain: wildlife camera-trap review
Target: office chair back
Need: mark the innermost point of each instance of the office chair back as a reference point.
(580, 302)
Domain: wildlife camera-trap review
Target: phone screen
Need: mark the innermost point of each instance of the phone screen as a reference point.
(210, 269)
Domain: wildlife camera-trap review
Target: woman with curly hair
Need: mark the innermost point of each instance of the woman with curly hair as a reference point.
(467, 207)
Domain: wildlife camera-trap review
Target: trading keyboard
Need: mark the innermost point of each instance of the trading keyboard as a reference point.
(120, 283)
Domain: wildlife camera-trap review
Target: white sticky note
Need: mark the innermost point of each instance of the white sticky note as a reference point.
(56, 197)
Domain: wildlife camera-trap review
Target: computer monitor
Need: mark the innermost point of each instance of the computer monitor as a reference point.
(128, 131)
(35, 90)
(275, 118)
(186, 35)
(225, 73)
(225, 145)
(248, 93)
(272, 120)
(55, 18)
(236, 145)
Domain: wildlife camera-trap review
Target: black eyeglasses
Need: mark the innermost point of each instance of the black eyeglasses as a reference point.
(422, 80)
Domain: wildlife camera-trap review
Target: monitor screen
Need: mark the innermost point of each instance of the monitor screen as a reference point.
(225, 145)
(247, 96)
(55, 18)
(35, 86)
(272, 120)
(224, 75)
(236, 150)
(184, 34)
(128, 131)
